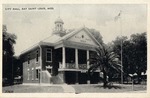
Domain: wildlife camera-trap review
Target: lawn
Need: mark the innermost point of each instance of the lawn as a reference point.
(116, 88)
(88, 88)
(32, 89)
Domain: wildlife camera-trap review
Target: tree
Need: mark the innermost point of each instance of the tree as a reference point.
(97, 35)
(126, 49)
(8, 52)
(140, 53)
(134, 53)
(117, 45)
(105, 61)
(17, 66)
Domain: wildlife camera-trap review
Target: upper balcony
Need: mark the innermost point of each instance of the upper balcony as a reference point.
(73, 66)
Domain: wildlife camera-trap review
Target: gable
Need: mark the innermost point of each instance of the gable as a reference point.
(82, 37)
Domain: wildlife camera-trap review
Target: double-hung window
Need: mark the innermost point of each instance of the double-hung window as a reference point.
(28, 72)
(32, 73)
(49, 55)
(37, 73)
(37, 56)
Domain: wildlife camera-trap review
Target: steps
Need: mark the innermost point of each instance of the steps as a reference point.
(46, 77)
(57, 80)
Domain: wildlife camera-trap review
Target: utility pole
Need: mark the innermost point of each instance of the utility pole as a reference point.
(121, 48)
(120, 20)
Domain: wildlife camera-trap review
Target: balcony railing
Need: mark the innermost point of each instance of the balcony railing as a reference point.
(70, 65)
(73, 66)
(82, 66)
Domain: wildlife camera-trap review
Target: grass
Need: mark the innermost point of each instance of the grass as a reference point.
(88, 88)
(110, 89)
(32, 89)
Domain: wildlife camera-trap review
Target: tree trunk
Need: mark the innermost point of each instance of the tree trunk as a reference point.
(104, 78)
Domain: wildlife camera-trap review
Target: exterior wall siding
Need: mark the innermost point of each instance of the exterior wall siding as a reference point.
(44, 62)
(30, 68)
(54, 63)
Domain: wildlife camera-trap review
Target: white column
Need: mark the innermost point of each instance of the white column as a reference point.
(63, 57)
(76, 58)
(88, 66)
(40, 64)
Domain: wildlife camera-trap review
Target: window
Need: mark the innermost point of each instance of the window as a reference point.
(37, 73)
(82, 36)
(37, 56)
(49, 55)
(32, 73)
(58, 27)
(28, 74)
(28, 59)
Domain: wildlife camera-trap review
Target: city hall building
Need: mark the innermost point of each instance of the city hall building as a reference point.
(61, 58)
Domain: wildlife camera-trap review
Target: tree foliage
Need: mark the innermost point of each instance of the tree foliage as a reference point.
(8, 42)
(97, 35)
(8, 52)
(134, 53)
(105, 61)
(17, 66)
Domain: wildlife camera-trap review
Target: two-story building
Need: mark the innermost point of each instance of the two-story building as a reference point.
(60, 58)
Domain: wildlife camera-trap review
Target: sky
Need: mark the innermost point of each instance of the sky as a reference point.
(32, 23)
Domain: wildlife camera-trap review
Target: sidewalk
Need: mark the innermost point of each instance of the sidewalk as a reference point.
(68, 88)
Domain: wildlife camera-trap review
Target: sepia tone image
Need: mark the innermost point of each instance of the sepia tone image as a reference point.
(81, 48)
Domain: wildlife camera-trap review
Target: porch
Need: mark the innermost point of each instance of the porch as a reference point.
(73, 66)
(73, 59)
